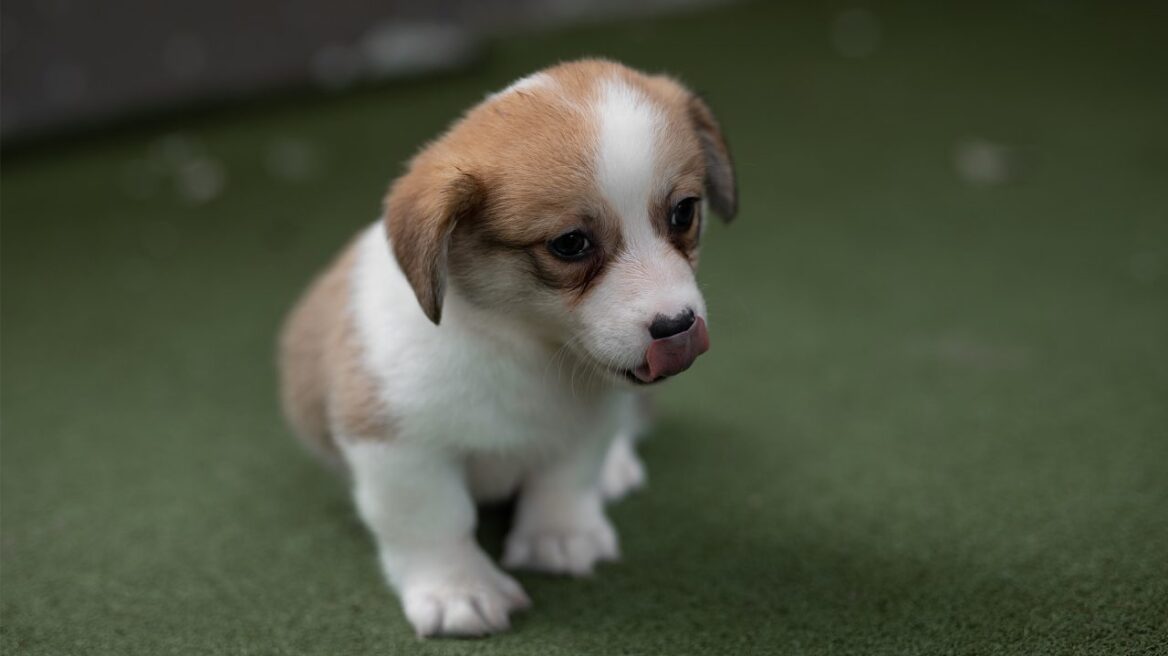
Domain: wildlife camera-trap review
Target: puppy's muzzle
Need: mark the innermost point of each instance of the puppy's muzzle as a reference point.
(673, 353)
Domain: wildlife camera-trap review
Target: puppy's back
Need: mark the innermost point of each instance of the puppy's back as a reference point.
(314, 331)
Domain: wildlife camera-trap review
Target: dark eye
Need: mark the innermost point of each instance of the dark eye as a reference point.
(683, 214)
(570, 245)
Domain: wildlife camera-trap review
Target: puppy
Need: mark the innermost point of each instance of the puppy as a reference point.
(491, 335)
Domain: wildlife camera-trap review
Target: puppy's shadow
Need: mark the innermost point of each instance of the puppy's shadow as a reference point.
(494, 523)
(700, 557)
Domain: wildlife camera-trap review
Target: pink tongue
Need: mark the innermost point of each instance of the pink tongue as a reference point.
(672, 355)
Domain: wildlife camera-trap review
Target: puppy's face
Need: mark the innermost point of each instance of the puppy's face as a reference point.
(574, 202)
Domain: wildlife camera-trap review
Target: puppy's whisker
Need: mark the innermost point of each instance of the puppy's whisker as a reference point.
(561, 355)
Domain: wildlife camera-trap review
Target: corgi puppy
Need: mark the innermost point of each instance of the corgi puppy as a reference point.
(492, 333)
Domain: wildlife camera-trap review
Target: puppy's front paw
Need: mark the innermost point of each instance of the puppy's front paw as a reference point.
(557, 548)
(461, 600)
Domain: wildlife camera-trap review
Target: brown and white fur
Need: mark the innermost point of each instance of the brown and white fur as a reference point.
(449, 356)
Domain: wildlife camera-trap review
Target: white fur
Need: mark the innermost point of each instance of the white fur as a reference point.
(630, 128)
(527, 83)
(413, 500)
(623, 471)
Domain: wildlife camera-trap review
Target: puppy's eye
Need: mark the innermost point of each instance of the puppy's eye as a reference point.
(683, 213)
(570, 245)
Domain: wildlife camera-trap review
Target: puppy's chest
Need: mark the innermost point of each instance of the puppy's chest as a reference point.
(470, 382)
(495, 399)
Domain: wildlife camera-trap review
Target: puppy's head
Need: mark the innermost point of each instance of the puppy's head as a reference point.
(574, 202)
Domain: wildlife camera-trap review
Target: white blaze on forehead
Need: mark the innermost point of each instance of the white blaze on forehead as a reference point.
(630, 126)
(533, 81)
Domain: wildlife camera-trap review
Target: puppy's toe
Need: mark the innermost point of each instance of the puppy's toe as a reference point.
(462, 617)
(463, 607)
(574, 553)
(424, 613)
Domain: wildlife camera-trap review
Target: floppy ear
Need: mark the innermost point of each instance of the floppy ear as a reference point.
(420, 213)
(721, 185)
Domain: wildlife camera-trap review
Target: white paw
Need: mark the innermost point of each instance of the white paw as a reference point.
(572, 550)
(463, 599)
(623, 471)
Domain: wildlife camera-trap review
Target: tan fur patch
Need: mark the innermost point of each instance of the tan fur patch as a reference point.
(531, 153)
(324, 383)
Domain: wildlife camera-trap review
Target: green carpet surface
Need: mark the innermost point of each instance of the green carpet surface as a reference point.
(934, 419)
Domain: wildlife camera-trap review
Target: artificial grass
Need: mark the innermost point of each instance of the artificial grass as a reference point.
(933, 420)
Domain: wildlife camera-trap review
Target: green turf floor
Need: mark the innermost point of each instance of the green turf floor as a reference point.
(933, 419)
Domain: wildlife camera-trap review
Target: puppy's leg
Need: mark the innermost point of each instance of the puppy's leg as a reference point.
(623, 471)
(415, 502)
(560, 525)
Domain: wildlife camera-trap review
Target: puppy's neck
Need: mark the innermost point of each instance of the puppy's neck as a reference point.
(477, 321)
(514, 336)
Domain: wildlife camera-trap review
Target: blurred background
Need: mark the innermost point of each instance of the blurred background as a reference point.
(70, 64)
(933, 419)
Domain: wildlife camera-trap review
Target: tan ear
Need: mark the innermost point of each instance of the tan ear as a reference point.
(420, 213)
(721, 184)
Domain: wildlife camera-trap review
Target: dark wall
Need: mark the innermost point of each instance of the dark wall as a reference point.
(70, 62)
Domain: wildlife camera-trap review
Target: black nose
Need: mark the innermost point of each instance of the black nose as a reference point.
(664, 326)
